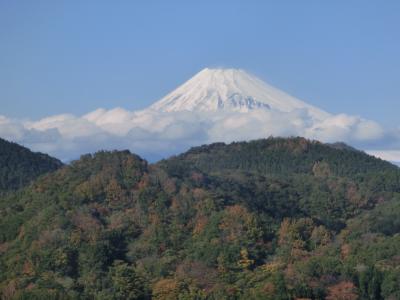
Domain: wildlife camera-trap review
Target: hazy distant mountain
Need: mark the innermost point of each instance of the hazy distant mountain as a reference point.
(231, 89)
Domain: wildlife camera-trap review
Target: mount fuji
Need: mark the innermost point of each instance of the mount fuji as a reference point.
(231, 90)
(215, 105)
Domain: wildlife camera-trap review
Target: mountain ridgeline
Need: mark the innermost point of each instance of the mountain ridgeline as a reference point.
(281, 157)
(19, 166)
(267, 219)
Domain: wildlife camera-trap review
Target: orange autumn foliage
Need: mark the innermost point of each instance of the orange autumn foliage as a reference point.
(344, 290)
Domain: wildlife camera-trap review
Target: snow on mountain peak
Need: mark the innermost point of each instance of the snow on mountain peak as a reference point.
(233, 90)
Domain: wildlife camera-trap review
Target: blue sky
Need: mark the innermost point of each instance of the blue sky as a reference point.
(76, 56)
(60, 60)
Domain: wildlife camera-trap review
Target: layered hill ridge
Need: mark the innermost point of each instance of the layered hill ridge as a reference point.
(19, 166)
(267, 219)
(231, 90)
(281, 156)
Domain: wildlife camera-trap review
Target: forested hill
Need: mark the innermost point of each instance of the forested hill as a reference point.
(19, 166)
(280, 156)
(269, 219)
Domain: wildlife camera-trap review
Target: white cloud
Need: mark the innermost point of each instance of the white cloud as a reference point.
(154, 135)
(346, 128)
(390, 155)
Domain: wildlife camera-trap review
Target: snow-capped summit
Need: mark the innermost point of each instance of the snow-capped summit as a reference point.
(231, 89)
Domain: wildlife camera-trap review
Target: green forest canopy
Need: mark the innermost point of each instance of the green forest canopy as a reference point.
(268, 219)
(19, 166)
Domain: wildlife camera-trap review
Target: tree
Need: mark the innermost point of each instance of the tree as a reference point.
(166, 289)
(126, 283)
(245, 262)
(344, 290)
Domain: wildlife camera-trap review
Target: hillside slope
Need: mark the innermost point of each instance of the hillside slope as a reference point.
(217, 222)
(19, 166)
(281, 157)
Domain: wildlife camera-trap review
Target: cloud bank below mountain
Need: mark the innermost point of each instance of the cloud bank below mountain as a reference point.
(215, 105)
(154, 134)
